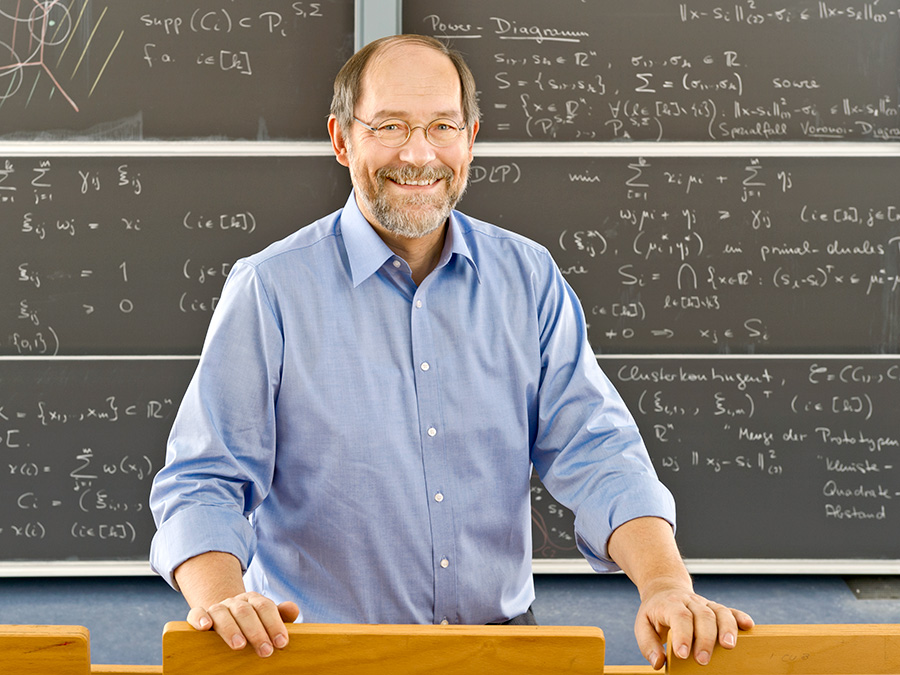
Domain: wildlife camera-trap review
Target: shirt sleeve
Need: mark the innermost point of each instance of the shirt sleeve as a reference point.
(588, 451)
(221, 450)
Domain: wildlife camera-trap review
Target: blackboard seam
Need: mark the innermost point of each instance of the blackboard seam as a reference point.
(683, 149)
(112, 567)
(168, 149)
(106, 357)
(741, 566)
(482, 149)
(758, 357)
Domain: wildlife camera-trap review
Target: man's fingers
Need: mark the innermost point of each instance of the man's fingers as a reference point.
(226, 626)
(681, 630)
(258, 620)
(248, 618)
(730, 622)
(694, 624)
(706, 627)
(199, 619)
(650, 643)
(289, 611)
(744, 620)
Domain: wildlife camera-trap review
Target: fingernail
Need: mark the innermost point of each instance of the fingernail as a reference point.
(238, 642)
(683, 652)
(265, 650)
(205, 623)
(281, 641)
(728, 640)
(653, 658)
(703, 658)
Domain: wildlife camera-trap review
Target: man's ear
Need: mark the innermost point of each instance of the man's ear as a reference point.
(338, 143)
(474, 132)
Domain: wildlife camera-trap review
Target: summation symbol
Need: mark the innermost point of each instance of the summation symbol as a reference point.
(35, 26)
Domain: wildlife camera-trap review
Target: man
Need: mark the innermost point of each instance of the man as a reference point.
(374, 390)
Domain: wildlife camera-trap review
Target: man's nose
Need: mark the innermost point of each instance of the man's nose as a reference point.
(417, 151)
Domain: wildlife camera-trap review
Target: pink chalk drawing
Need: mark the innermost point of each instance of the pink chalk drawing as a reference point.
(37, 25)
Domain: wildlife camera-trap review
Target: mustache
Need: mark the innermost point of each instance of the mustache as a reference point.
(412, 173)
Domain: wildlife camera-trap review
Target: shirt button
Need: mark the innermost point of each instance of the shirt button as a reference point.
(439, 497)
(445, 563)
(425, 365)
(432, 432)
(444, 622)
(397, 264)
(419, 304)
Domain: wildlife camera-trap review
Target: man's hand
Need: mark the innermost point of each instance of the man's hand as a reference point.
(693, 623)
(213, 585)
(645, 550)
(247, 618)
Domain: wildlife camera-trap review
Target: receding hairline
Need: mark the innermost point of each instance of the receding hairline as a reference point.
(384, 51)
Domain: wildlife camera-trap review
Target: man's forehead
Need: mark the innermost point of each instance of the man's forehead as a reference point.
(405, 78)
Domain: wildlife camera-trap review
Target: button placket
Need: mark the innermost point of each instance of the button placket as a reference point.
(428, 395)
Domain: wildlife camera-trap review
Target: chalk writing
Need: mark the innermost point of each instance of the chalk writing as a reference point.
(80, 442)
(710, 254)
(687, 71)
(106, 70)
(121, 258)
(805, 470)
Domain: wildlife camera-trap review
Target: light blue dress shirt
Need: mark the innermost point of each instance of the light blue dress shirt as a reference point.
(364, 445)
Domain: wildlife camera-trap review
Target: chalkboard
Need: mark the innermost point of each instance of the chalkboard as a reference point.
(796, 458)
(657, 70)
(127, 255)
(108, 70)
(713, 254)
(785, 458)
(81, 441)
(745, 305)
(112, 268)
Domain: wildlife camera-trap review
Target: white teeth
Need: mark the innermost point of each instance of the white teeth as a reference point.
(420, 183)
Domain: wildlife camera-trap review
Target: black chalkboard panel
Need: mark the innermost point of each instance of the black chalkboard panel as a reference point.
(713, 254)
(767, 458)
(657, 70)
(166, 69)
(81, 441)
(127, 255)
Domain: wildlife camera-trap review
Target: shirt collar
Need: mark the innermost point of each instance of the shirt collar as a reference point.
(367, 252)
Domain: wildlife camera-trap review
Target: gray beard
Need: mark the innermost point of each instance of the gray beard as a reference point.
(417, 215)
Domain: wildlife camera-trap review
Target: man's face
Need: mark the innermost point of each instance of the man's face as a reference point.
(408, 190)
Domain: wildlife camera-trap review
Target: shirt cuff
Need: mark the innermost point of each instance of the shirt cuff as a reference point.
(201, 529)
(592, 533)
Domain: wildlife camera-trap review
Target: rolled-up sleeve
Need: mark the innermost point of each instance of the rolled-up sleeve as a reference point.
(221, 450)
(588, 451)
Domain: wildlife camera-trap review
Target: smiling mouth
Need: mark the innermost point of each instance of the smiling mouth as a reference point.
(410, 177)
(415, 183)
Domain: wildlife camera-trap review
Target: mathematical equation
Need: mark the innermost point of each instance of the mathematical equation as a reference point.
(659, 71)
(823, 425)
(707, 254)
(80, 442)
(113, 255)
(101, 70)
(223, 21)
(809, 443)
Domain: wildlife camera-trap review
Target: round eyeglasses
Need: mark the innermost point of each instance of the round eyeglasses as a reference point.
(394, 133)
